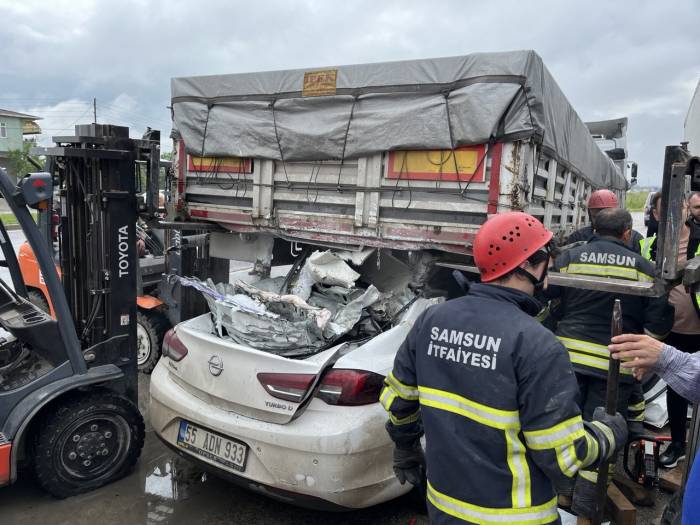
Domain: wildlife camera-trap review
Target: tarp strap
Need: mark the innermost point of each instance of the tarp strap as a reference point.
(279, 143)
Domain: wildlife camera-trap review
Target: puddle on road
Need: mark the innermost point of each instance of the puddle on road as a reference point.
(169, 480)
(173, 479)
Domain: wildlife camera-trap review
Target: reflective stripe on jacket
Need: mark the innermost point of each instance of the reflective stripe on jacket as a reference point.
(584, 324)
(646, 246)
(479, 375)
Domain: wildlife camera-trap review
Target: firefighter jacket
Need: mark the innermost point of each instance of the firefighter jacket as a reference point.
(585, 315)
(647, 248)
(586, 233)
(496, 395)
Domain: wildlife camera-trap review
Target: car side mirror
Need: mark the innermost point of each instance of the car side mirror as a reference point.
(36, 190)
(633, 173)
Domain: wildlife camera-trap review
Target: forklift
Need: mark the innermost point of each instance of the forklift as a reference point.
(69, 383)
(151, 319)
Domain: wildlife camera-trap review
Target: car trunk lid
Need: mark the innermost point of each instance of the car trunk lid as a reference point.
(240, 379)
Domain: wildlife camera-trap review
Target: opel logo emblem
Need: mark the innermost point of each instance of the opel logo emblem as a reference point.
(216, 365)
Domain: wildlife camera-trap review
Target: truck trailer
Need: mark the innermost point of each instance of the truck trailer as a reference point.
(406, 155)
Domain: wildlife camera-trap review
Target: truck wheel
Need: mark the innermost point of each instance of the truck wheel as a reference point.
(87, 442)
(37, 299)
(150, 330)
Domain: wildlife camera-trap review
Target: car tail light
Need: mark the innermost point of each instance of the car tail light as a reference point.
(350, 387)
(173, 347)
(290, 387)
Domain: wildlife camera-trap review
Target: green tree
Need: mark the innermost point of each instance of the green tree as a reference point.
(20, 161)
(162, 179)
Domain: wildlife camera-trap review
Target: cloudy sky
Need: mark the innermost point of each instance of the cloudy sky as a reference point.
(637, 59)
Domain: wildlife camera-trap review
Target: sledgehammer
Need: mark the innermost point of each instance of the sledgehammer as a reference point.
(611, 408)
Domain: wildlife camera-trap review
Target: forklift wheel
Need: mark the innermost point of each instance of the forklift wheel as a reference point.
(37, 299)
(87, 442)
(150, 330)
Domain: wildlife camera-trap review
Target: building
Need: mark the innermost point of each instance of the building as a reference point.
(14, 127)
(691, 127)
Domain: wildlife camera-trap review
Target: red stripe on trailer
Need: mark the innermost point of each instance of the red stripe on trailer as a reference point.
(495, 178)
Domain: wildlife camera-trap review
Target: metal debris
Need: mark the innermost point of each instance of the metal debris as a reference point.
(326, 306)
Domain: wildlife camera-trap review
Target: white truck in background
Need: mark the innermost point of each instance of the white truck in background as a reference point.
(611, 138)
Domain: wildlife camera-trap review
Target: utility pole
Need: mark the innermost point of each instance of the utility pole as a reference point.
(94, 110)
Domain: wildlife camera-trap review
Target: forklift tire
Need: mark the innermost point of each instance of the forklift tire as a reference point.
(87, 442)
(37, 299)
(150, 330)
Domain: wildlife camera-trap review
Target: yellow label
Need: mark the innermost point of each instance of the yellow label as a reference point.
(220, 164)
(319, 83)
(438, 164)
(436, 161)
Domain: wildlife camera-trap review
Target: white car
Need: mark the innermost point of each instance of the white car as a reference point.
(248, 414)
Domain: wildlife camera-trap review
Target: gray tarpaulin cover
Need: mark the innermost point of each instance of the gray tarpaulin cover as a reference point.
(417, 104)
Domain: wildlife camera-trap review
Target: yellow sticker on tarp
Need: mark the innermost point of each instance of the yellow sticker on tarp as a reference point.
(320, 83)
(220, 164)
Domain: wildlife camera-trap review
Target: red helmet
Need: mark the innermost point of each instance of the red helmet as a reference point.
(507, 240)
(602, 199)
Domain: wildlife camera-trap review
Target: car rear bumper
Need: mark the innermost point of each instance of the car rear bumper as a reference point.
(340, 456)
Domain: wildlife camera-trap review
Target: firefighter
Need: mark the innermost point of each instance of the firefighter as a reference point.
(585, 320)
(494, 392)
(602, 200)
(685, 334)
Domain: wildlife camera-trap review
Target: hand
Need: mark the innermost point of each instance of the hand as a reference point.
(618, 427)
(409, 465)
(642, 350)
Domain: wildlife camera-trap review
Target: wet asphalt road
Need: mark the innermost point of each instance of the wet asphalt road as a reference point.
(165, 489)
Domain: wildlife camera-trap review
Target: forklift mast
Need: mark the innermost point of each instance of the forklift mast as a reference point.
(96, 173)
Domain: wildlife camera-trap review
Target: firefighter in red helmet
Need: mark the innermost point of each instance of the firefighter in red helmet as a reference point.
(478, 375)
(600, 200)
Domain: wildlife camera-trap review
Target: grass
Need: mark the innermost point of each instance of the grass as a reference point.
(9, 219)
(635, 200)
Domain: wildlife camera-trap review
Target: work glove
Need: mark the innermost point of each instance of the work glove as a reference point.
(609, 431)
(409, 465)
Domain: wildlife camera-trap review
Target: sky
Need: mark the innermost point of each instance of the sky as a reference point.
(636, 59)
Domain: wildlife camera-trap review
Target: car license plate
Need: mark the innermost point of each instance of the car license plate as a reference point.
(227, 451)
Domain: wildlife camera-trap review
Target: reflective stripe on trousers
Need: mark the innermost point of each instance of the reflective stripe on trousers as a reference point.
(546, 513)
